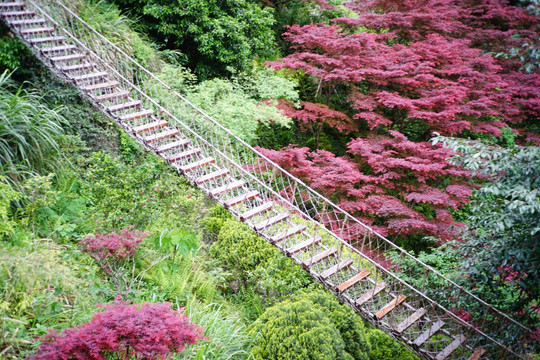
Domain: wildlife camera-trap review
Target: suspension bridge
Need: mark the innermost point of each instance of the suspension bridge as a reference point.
(358, 265)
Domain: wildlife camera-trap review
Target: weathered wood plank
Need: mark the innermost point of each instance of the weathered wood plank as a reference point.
(227, 187)
(212, 176)
(290, 232)
(198, 164)
(353, 281)
(271, 221)
(408, 322)
(428, 333)
(241, 198)
(390, 306)
(257, 210)
(344, 264)
(319, 257)
(453, 346)
(371, 293)
(303, 245)
(478, 354)
(161, 135)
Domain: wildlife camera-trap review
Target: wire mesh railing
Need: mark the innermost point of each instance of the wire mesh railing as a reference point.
(356, 246)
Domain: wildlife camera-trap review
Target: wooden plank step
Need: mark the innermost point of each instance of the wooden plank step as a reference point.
(408, 322)
(43, 40)
(390, 306)
(30, 31)
(344, 264)
(453, 346)
(6, 5)
(478, 354)
(71, 57)
(91, 76)
(312, 241)
(162, 135)
(77, 67)
(241, 198)
(286, 234)
(124, 106)
(112, 96)
(28, 22)
(198, 164)
(101, 86)
(173, 145)
(212, 176)
(256, 211)
(55, 49)
(371, 293)
(271, 221)
(353, 281)
(150, 126)
(428, 333)
(319, 257)
(183, 154)
(227, 187)
(138, 115)
(25, 13)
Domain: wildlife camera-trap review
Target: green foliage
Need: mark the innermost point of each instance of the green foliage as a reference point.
(297, 330)
(43, 285)
(214, 220)
(384, 347)
(349, 324)
(107, 19)
(30, 132)
(121, 194)
(228, 336)
(502, 250)
(219, 37)
(263, 274)
(7, 195)
(12, 51)
(241, 250)
(231, 106)
(265, 83)
(179, 281)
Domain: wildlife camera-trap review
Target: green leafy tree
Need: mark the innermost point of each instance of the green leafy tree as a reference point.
(229, 104)
(502, 251)
(219, 36)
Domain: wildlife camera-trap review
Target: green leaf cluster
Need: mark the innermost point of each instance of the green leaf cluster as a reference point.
(219, 36)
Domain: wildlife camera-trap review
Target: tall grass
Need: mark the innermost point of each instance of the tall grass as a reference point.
(30, 132)
(227, 335)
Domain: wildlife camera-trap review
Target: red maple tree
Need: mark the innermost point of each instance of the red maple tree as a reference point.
(398, 187)
(139, 331)
(422, 66)
(314, 117)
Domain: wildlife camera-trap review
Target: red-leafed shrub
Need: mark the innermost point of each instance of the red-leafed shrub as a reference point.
(113, 246)
(395, 185)
(313, 117)
(115, 254)
(122, 331)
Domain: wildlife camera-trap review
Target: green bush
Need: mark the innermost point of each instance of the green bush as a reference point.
(297, 330)
(384, 347)
(240, 250)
